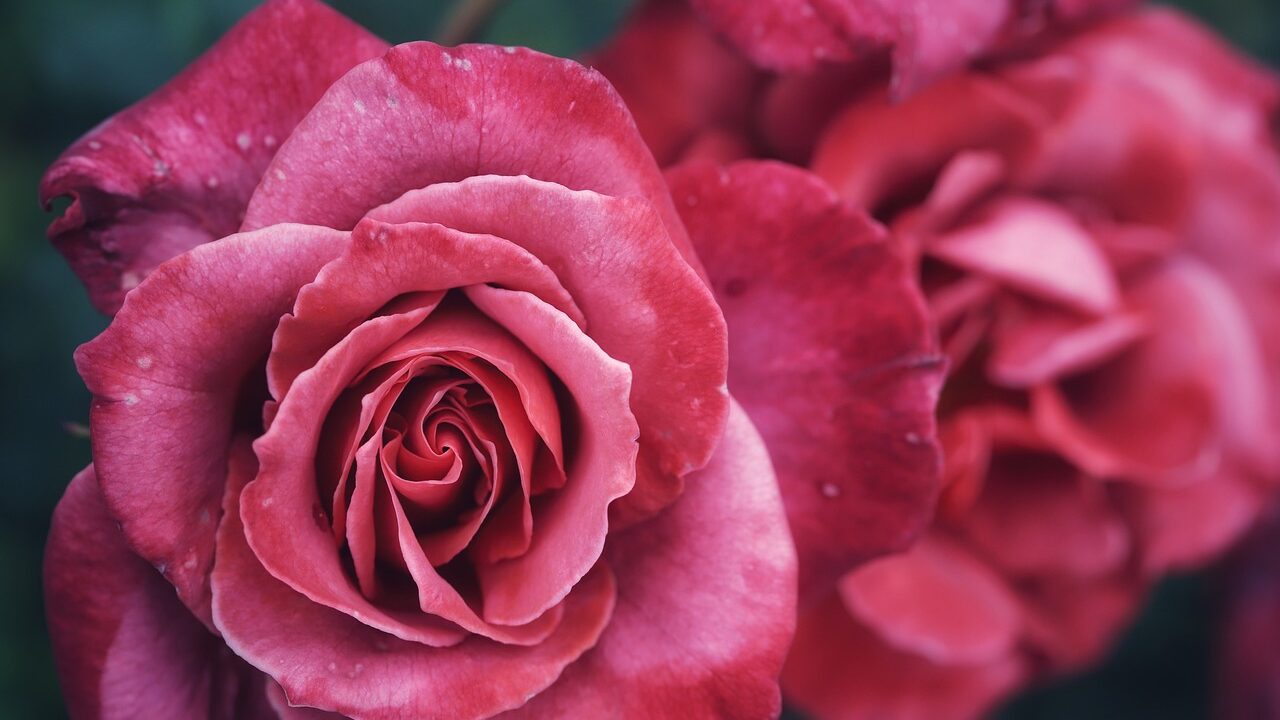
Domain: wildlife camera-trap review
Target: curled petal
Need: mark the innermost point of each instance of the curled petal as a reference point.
(840, 669)
(641, 304)
(177, 169)
(125, 645)
(174, 359)
(422, 114)
(936, 601)
(327, 659)
(706, 603)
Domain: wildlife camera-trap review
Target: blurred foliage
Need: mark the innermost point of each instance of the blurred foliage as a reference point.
(71, 63)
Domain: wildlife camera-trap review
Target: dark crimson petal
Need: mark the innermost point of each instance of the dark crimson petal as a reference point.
(831, 355)
(165, 376)
(423, 114)
(839, 669)
(679, 81)
(124, 644)
(641, 304)
(706, 603)
(327, 659)
(177, 169)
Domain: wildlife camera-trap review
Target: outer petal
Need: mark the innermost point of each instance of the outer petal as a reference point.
(125, 645)
(706, 603)
(177, 169)
(641, 304)
(936, 601)
(678, 80)
(165, 377)
(830, 354)
(324, 658)
(840, 670)
(1184, 527)
(422, 114)
(1192, 393)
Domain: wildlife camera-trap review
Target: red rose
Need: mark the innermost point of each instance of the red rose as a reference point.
(440, 432)
(1096, 228)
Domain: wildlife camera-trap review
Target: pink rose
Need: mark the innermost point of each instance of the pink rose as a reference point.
(1096, 228)
(1095, 220)
(439, 432)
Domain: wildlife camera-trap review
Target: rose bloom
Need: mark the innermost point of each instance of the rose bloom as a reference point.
(1095, 220)
(416, 397)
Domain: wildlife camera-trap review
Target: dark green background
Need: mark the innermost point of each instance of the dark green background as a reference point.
(68, 64)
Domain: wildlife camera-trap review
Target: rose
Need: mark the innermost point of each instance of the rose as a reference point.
(1112, 388)
(439, 433)
(1096, 227)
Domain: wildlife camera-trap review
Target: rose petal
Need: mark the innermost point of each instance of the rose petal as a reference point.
(641, 303)
(386, 261)
(1038, 516)
(423, 114)
(936, 601)
(1169, 409)
(677, 79)
(1037, 248)
(176, 170)
(1037, 344)
(861, 151)
(706, 602)
(928, 37)
(124, 644)
(571, 524)
(173, 359)
(840, 669)
(831, 356)
(326, 659)
(1184, 527)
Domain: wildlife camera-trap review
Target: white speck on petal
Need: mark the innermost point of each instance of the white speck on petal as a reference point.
(129, 280)
(268, 502)
(160, 168)
(464, 64)
(244, 141)
(830, 490)
(211, 183)
(392, 101)
(279, 174)
(130, 399)
(95, 145)
(144, 362)
(269, 141)
(359, 106)
(572, 105)
(447, 58)
(913, 438)
(509, 50)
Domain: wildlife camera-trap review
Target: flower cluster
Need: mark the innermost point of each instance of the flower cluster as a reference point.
(875, 357)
